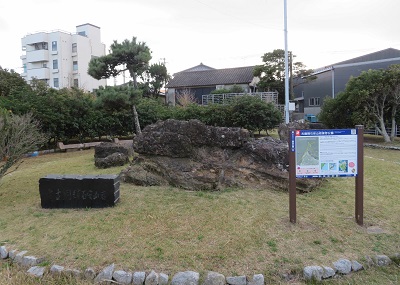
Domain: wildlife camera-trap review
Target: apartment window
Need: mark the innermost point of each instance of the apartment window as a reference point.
(54, 45)
(44, 65)
(314, 101)
(24, 67)
(55, 64)
(74, 47)
(55, 83)
(40, 46)
(83, 33)
(74, 65)
(76, 83)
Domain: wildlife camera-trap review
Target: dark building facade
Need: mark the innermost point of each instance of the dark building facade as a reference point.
(331, 80)
(202, 80)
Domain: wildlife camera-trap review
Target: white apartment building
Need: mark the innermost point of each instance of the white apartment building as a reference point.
(61, 59)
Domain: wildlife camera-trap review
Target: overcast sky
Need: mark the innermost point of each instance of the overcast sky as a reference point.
(218, 33)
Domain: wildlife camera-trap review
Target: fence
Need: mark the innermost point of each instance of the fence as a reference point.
(271, 97)
(374, 131)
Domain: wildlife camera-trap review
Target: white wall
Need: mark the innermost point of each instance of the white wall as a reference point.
(87, 46)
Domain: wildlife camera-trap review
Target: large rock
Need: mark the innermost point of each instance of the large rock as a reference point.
(191, 155)
(174, 138)
(111, 154)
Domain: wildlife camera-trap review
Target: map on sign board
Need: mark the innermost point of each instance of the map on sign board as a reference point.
(325, 153)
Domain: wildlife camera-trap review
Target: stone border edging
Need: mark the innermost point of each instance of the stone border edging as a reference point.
(108, 275)
(378, 146)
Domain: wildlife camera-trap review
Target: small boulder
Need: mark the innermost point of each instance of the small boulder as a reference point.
(105, 149)
(163, 279)
(37, 271)
(356, 266)
(122, 277)
(73, 273)
(12, 254)
(3, 252)
(151, 279)
(138, 278)
(186, 278)
(236, 280)
(105, 276)
(214, 278)
(313, 273)
(29, 261)
(328, 272)
(89, 274)
(56, 269)
(258, 279)
(111, 154)
(114, 159)
(342, 266)
(382, 260)
(19, 256)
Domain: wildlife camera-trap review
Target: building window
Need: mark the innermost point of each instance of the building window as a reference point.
(55, 83)
(54, 45)
(74, 65)
(24, 67)
(55, 64)
(83, 33)
(41, 46)
(76, 83)
(314, 101)
(74, 47)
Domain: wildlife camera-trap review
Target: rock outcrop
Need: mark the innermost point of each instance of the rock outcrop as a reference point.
(194, 156)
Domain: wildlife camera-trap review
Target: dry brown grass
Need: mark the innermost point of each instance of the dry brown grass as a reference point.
(235, 231)
(185, 98)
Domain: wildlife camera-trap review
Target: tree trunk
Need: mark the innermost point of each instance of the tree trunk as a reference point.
(393, 132)
(136, 120)
(383, 130)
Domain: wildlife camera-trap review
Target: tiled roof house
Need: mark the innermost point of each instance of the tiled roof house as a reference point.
(202, 80)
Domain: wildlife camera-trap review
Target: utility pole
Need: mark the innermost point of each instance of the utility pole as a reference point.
(286, 66)
(291, 94)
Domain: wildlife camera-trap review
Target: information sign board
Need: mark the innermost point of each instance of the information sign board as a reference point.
(325, 153)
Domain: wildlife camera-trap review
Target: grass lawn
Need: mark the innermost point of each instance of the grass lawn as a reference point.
(233, 232)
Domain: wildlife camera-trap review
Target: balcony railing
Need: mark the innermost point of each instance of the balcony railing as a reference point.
(39, 73)
(269, 97)
(37, 55)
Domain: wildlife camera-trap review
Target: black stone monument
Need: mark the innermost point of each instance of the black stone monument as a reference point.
(79, 191)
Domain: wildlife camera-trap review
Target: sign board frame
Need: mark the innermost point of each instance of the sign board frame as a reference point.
(349, 145)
